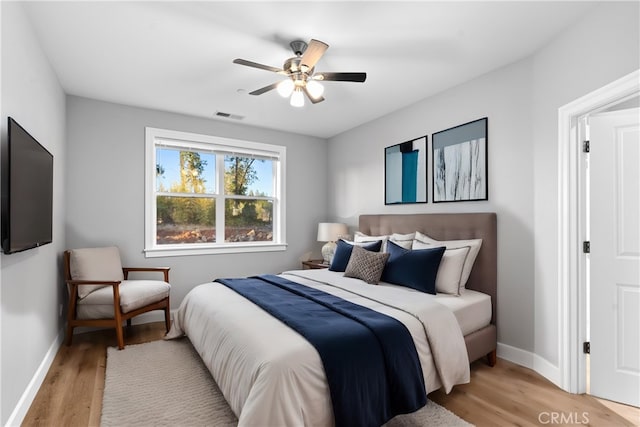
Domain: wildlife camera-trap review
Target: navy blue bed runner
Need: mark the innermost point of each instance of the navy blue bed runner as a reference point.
(369, 358)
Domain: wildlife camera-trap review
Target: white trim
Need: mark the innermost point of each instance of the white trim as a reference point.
(515, 355)
(209, 141)
(571, 317)
(232, 248)
(546, 369)
(25, 401)
(529, 360)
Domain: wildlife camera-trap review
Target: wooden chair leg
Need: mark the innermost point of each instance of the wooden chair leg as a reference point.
(492, 358)
(71, 313)
(118, 317)
(167, 317)
(119, 334)
(69, 336)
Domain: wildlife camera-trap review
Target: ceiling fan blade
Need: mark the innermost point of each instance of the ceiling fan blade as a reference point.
(256, 65)
(341, 77)
(311, 98)
(313, 53)
(264, 89)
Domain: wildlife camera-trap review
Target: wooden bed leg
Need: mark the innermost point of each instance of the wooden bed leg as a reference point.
(491, 358)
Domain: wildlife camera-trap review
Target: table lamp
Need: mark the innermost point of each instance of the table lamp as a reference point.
(330, 232)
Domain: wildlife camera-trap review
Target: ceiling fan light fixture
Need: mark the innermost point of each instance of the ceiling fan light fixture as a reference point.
(285, 88)
(302, 81)
(297, 98)
(315, 89)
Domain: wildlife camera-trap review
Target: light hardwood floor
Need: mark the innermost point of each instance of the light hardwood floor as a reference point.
(505, 395)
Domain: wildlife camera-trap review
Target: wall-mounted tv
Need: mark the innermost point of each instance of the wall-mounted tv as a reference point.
(27, 192)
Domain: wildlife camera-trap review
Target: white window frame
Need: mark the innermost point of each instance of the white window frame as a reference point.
(155, 137)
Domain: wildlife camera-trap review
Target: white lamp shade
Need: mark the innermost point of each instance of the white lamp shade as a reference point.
(297, 98)
(285, 88)
(315, 89)
(331, 231)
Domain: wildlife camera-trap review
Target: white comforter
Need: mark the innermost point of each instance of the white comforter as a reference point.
(271, 376)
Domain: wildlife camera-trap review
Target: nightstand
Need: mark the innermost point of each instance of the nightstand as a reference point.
(313, 264)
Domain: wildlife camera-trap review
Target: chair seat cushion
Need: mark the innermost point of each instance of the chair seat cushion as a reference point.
(133, 295)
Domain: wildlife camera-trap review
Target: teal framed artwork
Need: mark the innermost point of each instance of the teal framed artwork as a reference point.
(405, 172)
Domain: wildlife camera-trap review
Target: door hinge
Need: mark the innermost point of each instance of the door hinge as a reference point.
(586, 146)
(586, 347)
(586, 247)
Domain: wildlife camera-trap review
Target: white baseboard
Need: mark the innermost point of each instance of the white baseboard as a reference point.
(515, 355)
(547, 370)
(530, 360)
(19, 412)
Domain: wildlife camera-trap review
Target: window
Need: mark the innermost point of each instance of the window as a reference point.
(206, 194)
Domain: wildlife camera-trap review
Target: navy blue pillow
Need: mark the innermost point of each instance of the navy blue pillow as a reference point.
(415, 269)
(343, 253)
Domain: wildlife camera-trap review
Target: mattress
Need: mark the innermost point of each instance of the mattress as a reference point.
(472, 309)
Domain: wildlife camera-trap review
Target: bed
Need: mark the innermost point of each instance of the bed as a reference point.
(484, 276)
(271, 375)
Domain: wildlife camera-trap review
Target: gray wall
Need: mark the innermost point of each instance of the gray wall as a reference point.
(601, 48)
(31, 288)
(105, 189)
(99, 164)
(356, 163)
(521, 101)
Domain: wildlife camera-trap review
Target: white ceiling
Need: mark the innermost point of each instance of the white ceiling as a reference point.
(177, 56)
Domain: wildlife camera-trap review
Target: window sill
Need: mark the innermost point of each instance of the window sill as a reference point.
(229, 248)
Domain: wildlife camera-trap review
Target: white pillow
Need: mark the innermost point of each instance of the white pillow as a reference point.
(403, 240)
(474, 248)
(95, 264)
(397, 237)
(450, 269)
(363, 238)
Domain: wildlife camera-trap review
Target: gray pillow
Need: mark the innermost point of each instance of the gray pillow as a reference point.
(366, 265)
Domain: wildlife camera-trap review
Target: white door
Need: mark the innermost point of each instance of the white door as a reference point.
(614, 164)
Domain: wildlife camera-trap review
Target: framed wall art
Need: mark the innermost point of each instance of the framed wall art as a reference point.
(459, 157)
(405, 172)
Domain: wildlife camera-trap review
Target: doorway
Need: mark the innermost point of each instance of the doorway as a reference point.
(573, 218)
(612, 277)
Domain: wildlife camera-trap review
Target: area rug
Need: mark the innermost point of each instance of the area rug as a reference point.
(165, 383)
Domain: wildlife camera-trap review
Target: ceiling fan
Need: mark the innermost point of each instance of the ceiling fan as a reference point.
(302, 78)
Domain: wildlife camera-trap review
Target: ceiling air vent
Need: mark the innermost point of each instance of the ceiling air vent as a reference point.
(228, 115)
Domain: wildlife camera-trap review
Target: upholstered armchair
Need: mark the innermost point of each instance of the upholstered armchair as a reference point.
(102, 295)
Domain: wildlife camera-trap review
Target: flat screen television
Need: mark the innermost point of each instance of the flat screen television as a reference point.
(27, 192)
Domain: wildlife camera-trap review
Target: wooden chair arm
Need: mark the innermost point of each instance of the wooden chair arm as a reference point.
(93, 282)
(164, 270)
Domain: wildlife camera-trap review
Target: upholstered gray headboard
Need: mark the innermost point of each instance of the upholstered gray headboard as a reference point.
(452, 226)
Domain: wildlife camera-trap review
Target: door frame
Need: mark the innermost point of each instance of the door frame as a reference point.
(572, 319)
